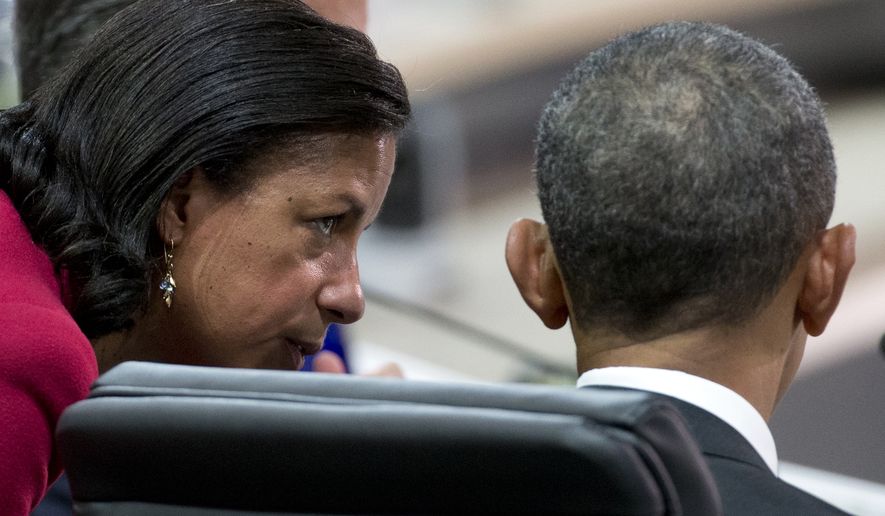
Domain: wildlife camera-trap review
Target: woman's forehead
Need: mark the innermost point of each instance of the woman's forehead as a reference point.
(323, 149)
(346, 166)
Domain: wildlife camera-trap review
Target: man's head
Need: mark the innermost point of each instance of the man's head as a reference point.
(683, 170)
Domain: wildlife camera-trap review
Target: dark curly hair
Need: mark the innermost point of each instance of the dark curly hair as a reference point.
(164, 86)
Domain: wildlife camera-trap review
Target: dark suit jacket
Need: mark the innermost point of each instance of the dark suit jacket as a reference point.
(746, 484)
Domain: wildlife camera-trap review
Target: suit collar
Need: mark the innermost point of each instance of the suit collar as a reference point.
(726, 406)
(716, 437)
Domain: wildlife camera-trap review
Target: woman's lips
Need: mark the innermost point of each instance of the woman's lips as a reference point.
(300, 349)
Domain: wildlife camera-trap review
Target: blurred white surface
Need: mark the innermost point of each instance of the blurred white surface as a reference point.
(852, 495)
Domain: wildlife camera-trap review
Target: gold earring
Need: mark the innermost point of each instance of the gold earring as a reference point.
(167, 284)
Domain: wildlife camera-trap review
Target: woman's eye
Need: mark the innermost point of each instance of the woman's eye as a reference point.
(326, 225)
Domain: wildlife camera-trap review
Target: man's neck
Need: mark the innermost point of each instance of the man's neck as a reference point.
(744, 361)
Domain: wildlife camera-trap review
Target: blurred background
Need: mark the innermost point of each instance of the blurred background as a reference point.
(439, 299)
(479, 73)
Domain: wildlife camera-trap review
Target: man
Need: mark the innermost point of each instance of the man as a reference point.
(686, 178)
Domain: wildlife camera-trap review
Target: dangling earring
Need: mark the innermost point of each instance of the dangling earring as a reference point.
(167, 284)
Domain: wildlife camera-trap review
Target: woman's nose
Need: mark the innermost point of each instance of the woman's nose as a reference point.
(341, 299)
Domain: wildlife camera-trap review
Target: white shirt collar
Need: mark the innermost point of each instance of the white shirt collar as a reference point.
(712, 397)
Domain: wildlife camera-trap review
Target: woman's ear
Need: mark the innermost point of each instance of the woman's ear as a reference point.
(190, 199)
(532, 265)
(172, 218)
(825, 278)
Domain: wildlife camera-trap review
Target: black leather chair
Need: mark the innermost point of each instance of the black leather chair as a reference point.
(157, 439)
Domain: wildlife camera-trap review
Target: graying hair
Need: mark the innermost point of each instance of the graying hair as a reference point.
(682, 170)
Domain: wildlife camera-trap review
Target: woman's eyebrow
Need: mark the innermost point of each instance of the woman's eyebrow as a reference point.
(354, 206)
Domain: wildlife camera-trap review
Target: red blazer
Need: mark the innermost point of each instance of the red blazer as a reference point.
(46, 363)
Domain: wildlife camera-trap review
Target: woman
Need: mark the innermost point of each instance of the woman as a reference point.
(190, 189)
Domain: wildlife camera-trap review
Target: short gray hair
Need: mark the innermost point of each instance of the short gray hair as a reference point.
(682, 170)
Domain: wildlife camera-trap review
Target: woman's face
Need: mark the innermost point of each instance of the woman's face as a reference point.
(260, 275)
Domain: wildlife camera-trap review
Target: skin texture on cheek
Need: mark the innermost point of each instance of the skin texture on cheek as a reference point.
(241, 285)
(211, 277)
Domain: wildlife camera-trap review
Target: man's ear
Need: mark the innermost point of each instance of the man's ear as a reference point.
(533, 267)
(190, 198)
(828, 268)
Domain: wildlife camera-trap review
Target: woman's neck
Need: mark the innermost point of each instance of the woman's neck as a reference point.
(109, 350)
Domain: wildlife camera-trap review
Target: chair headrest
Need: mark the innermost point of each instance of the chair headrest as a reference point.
(276, 441)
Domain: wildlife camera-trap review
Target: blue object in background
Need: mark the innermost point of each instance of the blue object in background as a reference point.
(335, 342)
